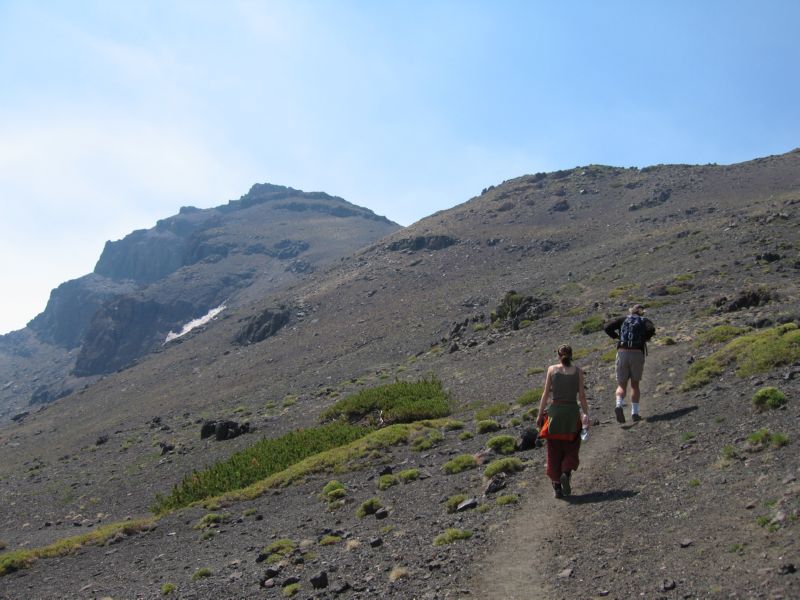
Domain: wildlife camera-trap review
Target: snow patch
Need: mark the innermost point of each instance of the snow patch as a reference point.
(195, 323)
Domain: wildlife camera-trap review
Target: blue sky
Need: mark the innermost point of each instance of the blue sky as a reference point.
(114, 114)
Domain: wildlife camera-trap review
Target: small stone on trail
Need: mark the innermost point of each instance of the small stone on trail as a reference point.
(787, 569)
(565, 573)
(381, 513)
(666, 585)
(686, 542)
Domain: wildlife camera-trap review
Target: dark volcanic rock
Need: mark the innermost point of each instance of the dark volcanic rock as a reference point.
(263, 325)
(422, 242)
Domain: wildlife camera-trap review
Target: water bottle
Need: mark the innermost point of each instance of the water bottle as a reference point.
(584, 427)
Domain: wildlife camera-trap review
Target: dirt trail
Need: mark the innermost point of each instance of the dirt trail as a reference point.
(522, 564)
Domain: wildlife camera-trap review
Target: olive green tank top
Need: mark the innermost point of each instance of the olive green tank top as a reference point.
(565, 387)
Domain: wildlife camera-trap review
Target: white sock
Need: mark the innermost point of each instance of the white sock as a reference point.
(620, 401)
(634, 408)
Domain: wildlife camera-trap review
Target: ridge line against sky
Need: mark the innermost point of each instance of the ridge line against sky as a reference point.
(115, 114)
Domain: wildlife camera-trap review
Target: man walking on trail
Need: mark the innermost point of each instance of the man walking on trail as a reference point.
(632, 333)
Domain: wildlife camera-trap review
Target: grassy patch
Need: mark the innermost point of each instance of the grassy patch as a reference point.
(507, 499)
(369, 507)
(694, 483)
(451, 504)
(460, 463)
(720, 334)
(427, 440)
(399, 402)
(290, 590)
(333, 490)
(609, 356)
(510, 304)
(329, 540)
(22, 559)
(502, 444)
(761, 438)
(465, 435)
(768, 397)
(752, 353)
(450, 536)
(529, 397)
(487, 426)
(265, 458)
(278, 550)
(503, 465)
(591, 325)
(387, 481)
(167, 589)
(408, 475)
(202, 573)
(398, 573)
(493, 410)
(211, 520)
(453, 425)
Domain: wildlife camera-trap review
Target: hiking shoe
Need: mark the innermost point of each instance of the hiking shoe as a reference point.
(636, 418)
(565, 488)
(557, 491)
(620, 414)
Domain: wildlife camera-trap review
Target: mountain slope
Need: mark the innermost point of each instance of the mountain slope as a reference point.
(688, 241)
(154, 281)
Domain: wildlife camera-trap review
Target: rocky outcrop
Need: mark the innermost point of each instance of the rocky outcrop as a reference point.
(263, 325)
(124, 329)
(422, 242)
(71, 307)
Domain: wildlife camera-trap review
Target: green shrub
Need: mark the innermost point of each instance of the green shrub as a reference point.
(426, 442)
(369, 507)
(504, 465)
(759, 437)
(768, 397)
(450, 536)
(257, 462)
(509, 305)
(694, 482)
(591, 325)
(210, 520)
(515, 422)
(399, 402)
(502, 444)
(531, 414)
(290, 590)
(408, 475)
(387, 481)
(778, 439)
(719, 335)
(249, 512)
(507, 499)
(529, 397)
(451, 504)
(460, 463)
(453, 425)
(487, 426)
(167, 589)
(493, 410)
(465, 435)
(201, 573)
(729, 452)
(329, 540)
(333, 490)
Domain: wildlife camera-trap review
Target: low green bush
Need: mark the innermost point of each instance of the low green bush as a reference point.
(465, 435)
(329, 540)
(487, 426)
(451, 504)
(507, 499)
(493, 410)
(591, 325)
(751, 353)
(768, 397)
(290, 590)
(502, 444)
(167, 589)
(450, 536)
(399, 402)
(460, 463)
(369, 507)
(427, 441)
(257, 462)
(387, 481)
(503, 465)
(408, 475)
(529, 397)
(202, 573)
(720, 334)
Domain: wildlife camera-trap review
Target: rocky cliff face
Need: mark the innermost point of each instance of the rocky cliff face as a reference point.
(155, 280)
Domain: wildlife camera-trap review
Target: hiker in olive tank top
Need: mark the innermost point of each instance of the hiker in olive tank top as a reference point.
(560, 421)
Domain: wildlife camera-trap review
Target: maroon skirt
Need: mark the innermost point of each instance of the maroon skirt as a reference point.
(562, 456)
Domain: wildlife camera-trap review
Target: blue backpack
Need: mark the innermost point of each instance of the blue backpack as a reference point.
(632, 332)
